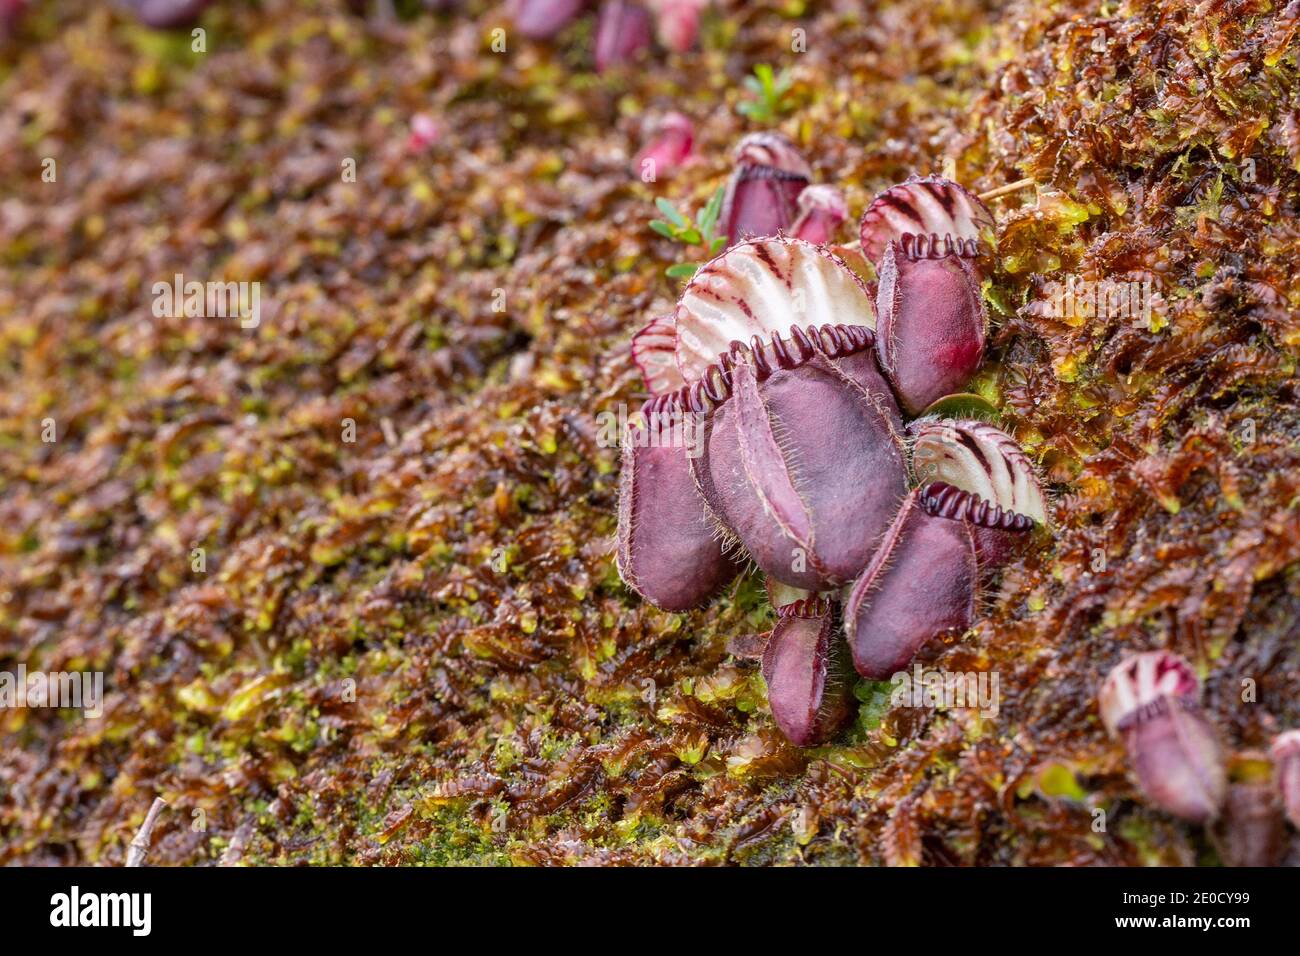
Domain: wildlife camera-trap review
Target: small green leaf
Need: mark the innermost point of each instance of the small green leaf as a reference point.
(690, 236)
(1058, 780)
(661, 227)
(995, 297)
(669, 210)
(683, 270)
(708, 217)
(963, 405)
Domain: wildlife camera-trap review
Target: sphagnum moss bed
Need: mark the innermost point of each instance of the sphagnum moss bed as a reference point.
(414, 647)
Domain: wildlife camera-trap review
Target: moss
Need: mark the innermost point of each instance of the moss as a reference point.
(414, 648)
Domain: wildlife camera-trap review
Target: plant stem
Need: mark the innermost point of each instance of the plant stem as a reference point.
(1004, 190)
(139, 847)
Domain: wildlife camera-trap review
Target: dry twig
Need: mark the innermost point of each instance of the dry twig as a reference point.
(139, 847)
